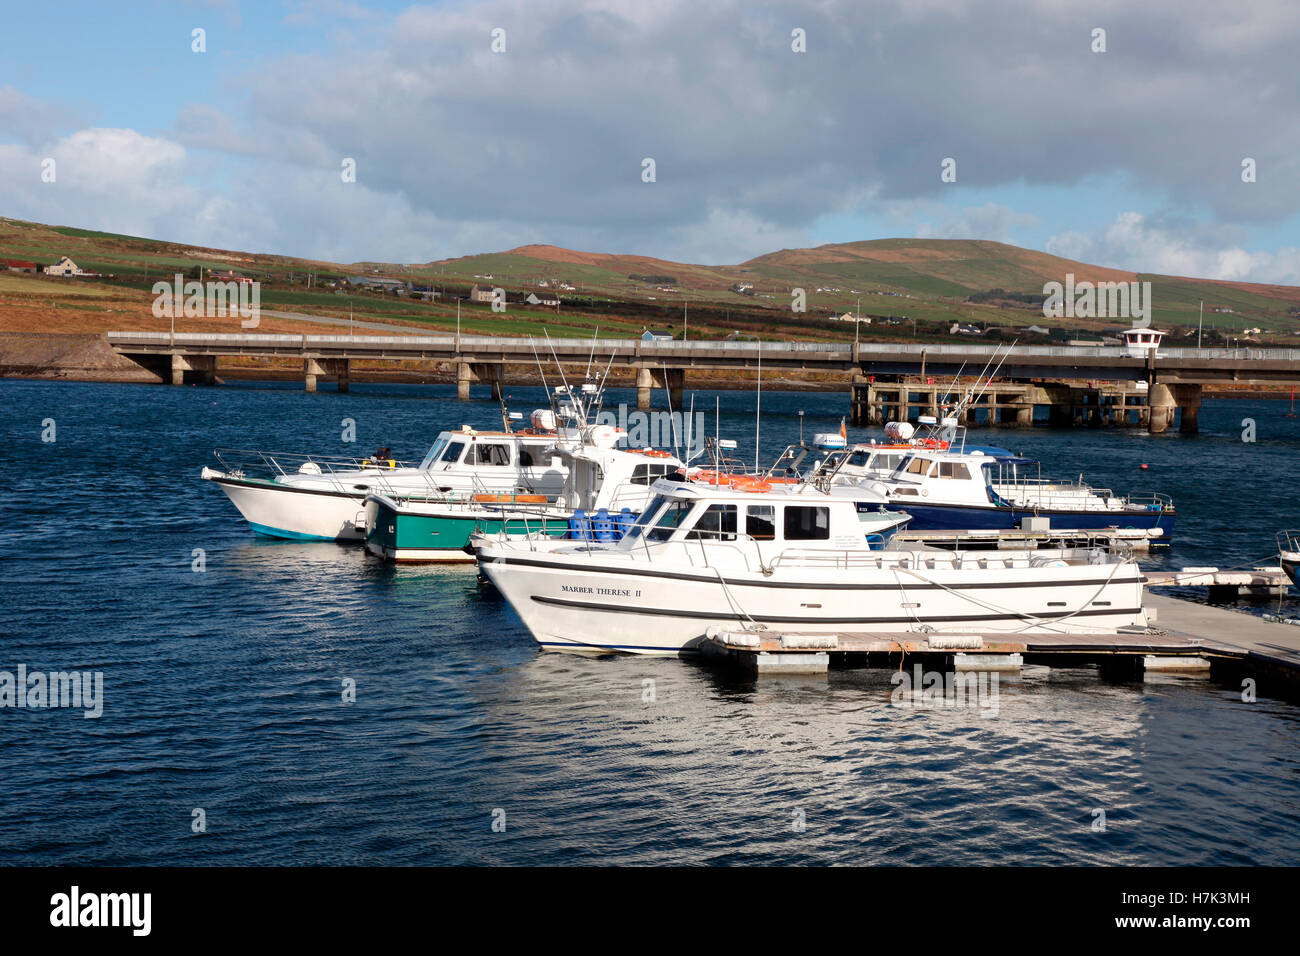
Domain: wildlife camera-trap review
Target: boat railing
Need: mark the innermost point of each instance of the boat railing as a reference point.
(267, 465)
(827, 558)
(1288, 541)
(1040, 493)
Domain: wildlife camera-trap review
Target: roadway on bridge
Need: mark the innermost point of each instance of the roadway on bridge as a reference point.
(412, 329)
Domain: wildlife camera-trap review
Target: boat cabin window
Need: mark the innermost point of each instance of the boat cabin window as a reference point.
(860, 459)
(649, 474)
(489, 454)
(918, 466)
(886, 462)
(953, 469)
(646, 517)
(805, 523)
(669, 520)
(760, 522)
(452, 454)
(717, 523)
(435, 452)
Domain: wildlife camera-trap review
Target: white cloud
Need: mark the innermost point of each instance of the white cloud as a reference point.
(112, 179)
(753, 143)
(1134, 241)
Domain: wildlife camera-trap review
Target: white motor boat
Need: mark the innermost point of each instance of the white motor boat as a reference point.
(322, 498)
(946, 485)
(815, 560)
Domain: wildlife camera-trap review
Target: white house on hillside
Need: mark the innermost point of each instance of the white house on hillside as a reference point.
(64, 267)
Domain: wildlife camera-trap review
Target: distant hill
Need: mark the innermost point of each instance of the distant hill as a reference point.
(929, 281)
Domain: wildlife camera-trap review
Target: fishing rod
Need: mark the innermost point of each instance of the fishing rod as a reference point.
(672, 422)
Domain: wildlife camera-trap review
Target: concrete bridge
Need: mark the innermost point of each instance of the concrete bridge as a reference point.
(1034, 375)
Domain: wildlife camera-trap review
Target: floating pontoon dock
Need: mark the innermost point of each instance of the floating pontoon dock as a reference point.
(1186, 637)
(1136, 539)
(1224, 585)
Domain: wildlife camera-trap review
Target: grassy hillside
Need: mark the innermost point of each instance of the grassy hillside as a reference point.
(925, 285)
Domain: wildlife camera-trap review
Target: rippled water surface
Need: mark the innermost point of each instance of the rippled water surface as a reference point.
(223, 688)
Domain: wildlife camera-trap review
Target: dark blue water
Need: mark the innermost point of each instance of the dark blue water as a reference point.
(223, 688)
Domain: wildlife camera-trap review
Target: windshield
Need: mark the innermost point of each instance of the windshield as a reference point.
(435, 451)
(669, 520)
(647, 516)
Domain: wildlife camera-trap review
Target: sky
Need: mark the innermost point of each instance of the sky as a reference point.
(1168, 143)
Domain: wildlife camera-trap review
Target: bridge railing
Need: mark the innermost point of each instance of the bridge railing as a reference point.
(668, 349)
(475, 341)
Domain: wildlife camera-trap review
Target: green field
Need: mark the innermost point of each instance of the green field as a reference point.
(927, 283)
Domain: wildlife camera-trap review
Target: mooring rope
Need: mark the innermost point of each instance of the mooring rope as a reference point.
(736, 609)
(1032, 619)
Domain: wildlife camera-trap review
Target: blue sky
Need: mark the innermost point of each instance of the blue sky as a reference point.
(1128, 157)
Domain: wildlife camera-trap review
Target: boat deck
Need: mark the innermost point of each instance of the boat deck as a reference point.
(1137, 539)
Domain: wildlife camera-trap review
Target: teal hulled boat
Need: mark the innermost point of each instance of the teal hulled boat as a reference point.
(427, 530)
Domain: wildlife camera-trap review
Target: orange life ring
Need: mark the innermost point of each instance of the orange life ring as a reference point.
(710, 477)
(750, 483)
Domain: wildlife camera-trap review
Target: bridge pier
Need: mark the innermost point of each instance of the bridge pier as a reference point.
(1188, 398)
(202, 367)
(1160, 408)
(648, 379)
(470, 372)
(339, 369)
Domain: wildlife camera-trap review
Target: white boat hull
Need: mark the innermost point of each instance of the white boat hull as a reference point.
(281, 511)
(569, 599)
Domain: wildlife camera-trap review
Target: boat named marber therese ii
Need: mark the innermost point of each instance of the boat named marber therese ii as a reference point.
(798, 557)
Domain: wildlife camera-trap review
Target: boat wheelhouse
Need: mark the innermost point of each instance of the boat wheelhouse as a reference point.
(819, 561)
(992, 489)
(605, 489)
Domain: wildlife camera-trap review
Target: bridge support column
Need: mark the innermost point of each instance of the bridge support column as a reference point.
(313, 369)
(648, 379)
(1161, 406)
(201, 367)
(1059, 400)
(469, 372)
(863, 410)
(340, 370)
(1188, 398)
